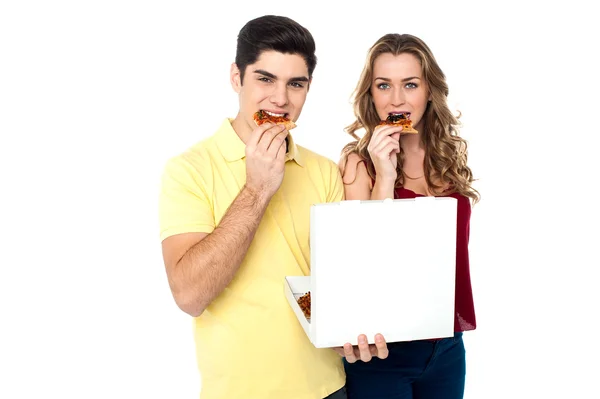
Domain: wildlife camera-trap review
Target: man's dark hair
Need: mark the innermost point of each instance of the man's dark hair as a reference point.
(273, 32)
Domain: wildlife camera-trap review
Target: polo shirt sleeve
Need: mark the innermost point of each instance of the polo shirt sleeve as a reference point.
(184, 203)
(336, 188)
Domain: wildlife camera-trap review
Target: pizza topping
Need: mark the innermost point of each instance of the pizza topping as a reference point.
(304, 302)
(397, 117)
(267, 116)
(400, 119)
(263, 116)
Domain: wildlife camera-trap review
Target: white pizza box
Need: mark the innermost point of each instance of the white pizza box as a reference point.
(379, 267)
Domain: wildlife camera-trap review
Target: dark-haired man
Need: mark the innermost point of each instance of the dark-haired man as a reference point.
(234, 216)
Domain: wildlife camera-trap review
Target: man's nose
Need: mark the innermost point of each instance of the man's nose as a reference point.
(279, 96)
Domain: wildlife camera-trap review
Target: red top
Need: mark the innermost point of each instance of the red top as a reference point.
(464, 311)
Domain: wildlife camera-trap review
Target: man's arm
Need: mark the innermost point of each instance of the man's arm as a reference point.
(200, 265)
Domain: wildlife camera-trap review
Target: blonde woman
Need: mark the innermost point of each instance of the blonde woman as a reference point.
(401, 76)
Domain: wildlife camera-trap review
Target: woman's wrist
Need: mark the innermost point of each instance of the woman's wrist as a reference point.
(383, 188)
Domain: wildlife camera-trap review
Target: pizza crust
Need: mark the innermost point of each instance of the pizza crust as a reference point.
(289, 125)
(405, 128)
(409, 129)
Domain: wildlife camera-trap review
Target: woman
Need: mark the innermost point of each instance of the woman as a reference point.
(401, 76)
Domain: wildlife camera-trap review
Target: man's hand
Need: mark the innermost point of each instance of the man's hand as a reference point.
(265, 159)
(364, 351)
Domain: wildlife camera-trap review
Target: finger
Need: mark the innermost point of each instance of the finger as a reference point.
(384, 148)
(373, 350)
(389, 146)
(363, 348)
(268, 136)
(391, 149)
(349, 353)
(281, 151)
(387, 130)
(381, 345)
(379, 134)
(339, 350)
(257, 134)
(384, 141)
(277, 142)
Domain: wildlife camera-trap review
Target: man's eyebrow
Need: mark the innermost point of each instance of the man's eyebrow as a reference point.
(404, 80)
(265, 73)
(270, 75)
(299, 79)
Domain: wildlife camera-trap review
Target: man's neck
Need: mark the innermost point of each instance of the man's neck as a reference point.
(241, 128)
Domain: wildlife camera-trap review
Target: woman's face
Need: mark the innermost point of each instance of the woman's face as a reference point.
(398, 87)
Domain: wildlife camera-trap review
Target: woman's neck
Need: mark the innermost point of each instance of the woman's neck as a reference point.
(411, 143)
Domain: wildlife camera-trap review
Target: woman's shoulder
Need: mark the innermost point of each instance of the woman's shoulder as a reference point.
(351, 166)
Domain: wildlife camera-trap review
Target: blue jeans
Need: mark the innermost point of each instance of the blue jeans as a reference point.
(339, 394)
(413, 370)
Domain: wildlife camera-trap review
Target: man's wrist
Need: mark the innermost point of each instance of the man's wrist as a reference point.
(258, 197)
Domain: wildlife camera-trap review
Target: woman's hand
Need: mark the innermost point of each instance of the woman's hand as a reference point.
(383, 149)
(364, 351)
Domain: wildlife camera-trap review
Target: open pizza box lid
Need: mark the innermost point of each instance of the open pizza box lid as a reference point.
(379, 267)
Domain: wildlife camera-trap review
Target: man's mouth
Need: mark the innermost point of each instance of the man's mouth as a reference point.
(281, 115)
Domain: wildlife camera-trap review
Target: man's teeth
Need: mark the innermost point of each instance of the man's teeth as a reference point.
(274, 114)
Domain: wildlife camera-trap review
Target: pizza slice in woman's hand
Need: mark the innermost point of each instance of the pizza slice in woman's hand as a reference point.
(400, 120)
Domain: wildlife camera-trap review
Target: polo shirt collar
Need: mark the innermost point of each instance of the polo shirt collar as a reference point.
(234, 149)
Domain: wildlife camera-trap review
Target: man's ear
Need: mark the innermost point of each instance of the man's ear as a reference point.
(235, 77)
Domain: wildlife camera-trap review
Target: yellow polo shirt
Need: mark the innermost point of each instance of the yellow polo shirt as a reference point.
(249, 344)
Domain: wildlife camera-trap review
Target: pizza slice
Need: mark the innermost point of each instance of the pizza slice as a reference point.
(400, 120)
(304, 303)
(261, 117)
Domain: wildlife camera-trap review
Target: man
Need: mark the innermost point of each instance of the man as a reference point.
(234, 216)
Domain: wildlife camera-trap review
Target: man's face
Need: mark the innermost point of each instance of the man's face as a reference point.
(276, 83)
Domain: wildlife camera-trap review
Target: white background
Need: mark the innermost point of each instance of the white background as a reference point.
(95, 96)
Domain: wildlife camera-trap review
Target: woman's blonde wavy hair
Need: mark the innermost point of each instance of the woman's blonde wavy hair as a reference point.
(445, 152)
